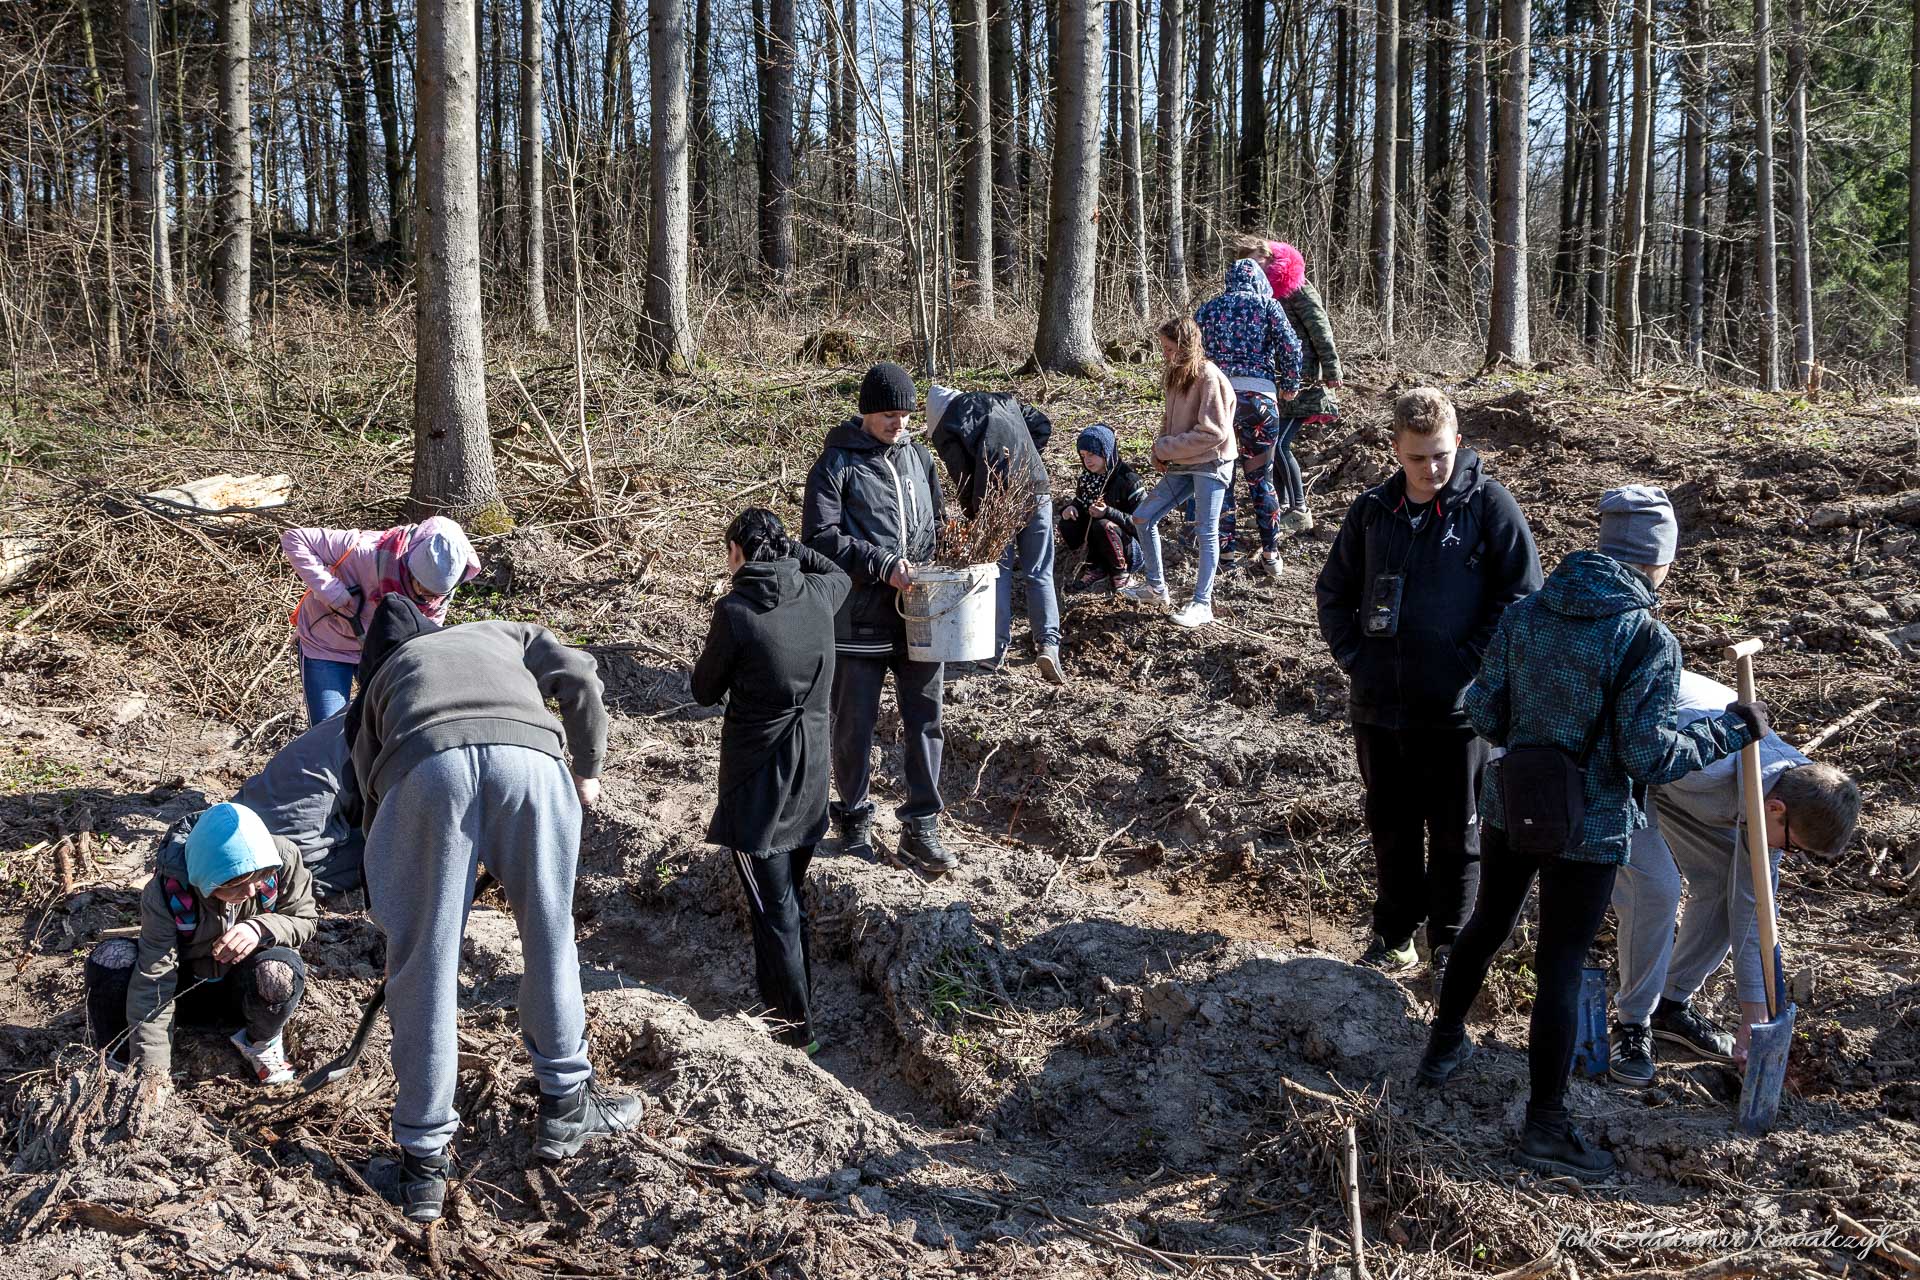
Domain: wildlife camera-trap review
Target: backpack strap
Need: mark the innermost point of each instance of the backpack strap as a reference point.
(1636, 654)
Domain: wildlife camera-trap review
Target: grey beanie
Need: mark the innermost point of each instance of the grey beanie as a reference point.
(938, 398)
(1637, 525)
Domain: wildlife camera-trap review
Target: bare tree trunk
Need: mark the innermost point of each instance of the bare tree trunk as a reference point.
(1694, 181)
(1801, 278)
(496, 126)
(774, 53)
(1345, 153)
(1252, 162)
(1133, 245)
(974, 85)
(146, 188)
(1913, 201)
(1633, 231)
(233, 246)
(1006, 143)
(668, 341)
(353, 106)
(452, 452)
(1170, 136)
(1064, 341)
(1206, 125)
(1386, 82)
(1479, 211)
(703, 122)
(533, 193)
(1438, 141)
(1766, 254)
(1508, 337)
(386, 96)
(105, 186)
(1599, 171)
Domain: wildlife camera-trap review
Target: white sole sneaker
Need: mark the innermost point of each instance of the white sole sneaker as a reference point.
(1194, 615)
(1141, 593)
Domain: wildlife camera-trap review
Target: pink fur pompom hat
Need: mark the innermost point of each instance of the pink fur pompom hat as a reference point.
(1286, 269)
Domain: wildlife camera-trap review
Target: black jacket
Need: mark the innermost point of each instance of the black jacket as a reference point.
(984, 431)
(1472, 556)
(769, 654)
(869, 506)
(1123, 493)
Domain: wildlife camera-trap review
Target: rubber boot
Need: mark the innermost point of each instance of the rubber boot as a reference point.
(572, 1120)
(1550, 1145)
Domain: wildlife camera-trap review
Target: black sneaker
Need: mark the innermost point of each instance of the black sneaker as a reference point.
(856, 833)
(569, 1122)
(1550, 1145)
(1384, 956)
(1675, 1021)
(1630, 1055)
(922, 853)
(1447, 1052)
(415, 1185)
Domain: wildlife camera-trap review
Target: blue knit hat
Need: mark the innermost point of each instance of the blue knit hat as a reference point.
(1099, 439)
(228, 842)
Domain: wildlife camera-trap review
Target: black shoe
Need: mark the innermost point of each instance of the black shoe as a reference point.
(1384, 956)
(1550, 1145)
(1676, 1021)
(922, 853)
(856, 833)
(1630, 1055)
(570, 1122)
(1447, 1052)
(415, 1185)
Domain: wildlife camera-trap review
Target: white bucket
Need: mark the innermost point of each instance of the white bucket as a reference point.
(949, 614)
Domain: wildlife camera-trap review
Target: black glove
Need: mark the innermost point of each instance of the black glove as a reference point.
(1754, 716)
(353, 619)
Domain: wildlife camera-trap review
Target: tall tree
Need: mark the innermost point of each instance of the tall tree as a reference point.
(1599, 175)
(1064, 341)
(1126, 25)
(1007, 202)
(1508, 335)
(1170, 134)
(1252, 163)
(1913, 202)
(1479, 261)
(703, 122)
(452, 451)
(233, 242)
(668, 336)
(353, 110)
(1206, 122)
(1437, 143)
(1801, 278)
(399, 157)
(1346, 158)
(974, 82)
(1633, 227)
(1693, 236)
(533, 194)
(1765, 251)
(773, 35)
(145, 185)
(1386, 82)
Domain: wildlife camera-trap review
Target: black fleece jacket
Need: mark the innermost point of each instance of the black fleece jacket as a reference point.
(983, 433)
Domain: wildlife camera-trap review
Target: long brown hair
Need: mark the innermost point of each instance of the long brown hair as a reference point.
(1189, 355)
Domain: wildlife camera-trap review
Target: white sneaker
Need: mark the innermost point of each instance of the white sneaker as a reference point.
(1146, 593)
(269, 1060)
(1270, 563)
(1194, 615)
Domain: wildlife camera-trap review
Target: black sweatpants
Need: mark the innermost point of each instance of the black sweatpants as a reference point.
(1573, 902)
(857, 681)
(233, 1001)
(782, 941)
(1109, 546)
(1423, 788)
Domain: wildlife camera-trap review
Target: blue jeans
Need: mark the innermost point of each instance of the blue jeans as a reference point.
(1032, 552)
(328, 686)
(1209, 491)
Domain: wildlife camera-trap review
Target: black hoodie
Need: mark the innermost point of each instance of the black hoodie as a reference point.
(868, 507)
(1471, 557)
(769, 654)
(985, 432)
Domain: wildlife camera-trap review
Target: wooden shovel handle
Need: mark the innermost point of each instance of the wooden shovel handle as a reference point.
(1755, 806)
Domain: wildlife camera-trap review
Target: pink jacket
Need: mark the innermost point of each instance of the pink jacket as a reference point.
(1196, 427)
(334, 561)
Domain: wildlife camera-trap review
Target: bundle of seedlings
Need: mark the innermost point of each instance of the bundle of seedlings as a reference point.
(1006, 504)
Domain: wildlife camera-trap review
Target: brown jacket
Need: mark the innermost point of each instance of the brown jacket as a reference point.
(1196, 428)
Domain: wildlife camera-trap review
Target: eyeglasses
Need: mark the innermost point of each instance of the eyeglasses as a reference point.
(1786, 839)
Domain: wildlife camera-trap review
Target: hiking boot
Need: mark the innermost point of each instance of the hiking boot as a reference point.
(1050, 665)
(1675, 1021)
(1630, 1058)
(922, 853)
(856, 833)
(569, 1122)
(1196, 614)
(1382, 955)
(1550, 1145)
(269, 1060)
(1147, 593)
(415, 1185)
(1448, 1049)
(1297, 520)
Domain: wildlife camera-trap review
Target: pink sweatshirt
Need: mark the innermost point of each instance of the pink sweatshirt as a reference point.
(333, 561)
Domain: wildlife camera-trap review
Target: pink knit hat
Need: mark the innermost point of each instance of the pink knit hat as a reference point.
(1286, 269)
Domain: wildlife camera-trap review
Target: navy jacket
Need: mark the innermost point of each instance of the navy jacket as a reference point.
(985, 432)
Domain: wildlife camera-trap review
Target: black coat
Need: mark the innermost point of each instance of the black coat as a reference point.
(986, 432)
(868, 507)
(769, 654)
(1471, 557)
(1123, 493)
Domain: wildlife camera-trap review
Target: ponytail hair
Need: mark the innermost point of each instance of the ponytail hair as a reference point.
(759, 535)
(1189, 353)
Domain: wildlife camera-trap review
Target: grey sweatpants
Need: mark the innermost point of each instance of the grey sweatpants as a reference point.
(513, 809)
(1677, 848)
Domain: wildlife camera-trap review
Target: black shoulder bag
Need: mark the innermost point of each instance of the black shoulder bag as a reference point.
(1544, 788)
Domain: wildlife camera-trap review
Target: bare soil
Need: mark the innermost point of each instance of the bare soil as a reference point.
(1125, 1037)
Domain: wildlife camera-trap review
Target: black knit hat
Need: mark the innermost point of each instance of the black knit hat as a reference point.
(888, 388)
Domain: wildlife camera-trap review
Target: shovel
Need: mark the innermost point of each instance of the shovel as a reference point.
(345, 1063)
(1768, 1041)
(1591, 1052)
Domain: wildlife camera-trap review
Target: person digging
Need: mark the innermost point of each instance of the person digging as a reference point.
(460, 762)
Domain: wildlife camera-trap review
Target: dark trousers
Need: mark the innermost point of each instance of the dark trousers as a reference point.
(1109, 549)
(857, 681)
(782, 942)
(1573, 902)
(234, 1001)
(1422, 808)
(1292, 486)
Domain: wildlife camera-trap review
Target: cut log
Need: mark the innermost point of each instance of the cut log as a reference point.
(223, 494)
(18, 555)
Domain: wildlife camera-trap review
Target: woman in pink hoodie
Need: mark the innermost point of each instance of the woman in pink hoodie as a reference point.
(347, 571)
